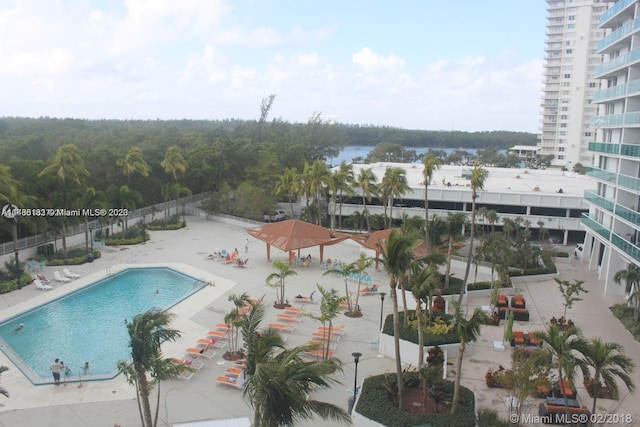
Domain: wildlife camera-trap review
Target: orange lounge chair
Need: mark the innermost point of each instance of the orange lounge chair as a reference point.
(282, 327)
(320, 344)
(369, 290)
(518, 337)
(230, 380)
(533, 340)
(223, 327)
(288, 317)
(211, 342)
(190, 363)
(324, 335)
(216, 334)
(339, 330)
(234, 371)
(196, 353)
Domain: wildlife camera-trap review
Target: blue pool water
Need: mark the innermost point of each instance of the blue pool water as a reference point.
(88, 324)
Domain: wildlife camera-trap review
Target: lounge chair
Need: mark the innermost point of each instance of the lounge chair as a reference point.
(293, 310)
(223, 327)
(207, 343)
(230, 380)
(190, 363)
(217, 334)
(370, 290)
(196, 353)
(337, 330)
(41, 285)
(70, 274)
(288, 317)
(324, 335)
(59, 278)
(282, 327)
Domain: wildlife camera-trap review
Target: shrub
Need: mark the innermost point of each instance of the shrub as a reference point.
(116, 241)
(438, 327)
(490, 418)
(77, 258)
(173, 223)
(7, 284)
(411, 333)
(624, 313)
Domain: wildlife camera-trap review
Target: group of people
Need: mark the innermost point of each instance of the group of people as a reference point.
(58, 367)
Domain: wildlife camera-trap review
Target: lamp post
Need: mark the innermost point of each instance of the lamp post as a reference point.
(382, 294)
(91, 237)
(356, 359)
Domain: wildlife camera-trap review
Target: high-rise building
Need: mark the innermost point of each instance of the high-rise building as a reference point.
(613, 223)
(570, 59)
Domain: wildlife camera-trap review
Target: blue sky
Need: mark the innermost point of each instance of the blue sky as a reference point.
(465, 65)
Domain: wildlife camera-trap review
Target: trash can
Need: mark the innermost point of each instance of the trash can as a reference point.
(90, 257)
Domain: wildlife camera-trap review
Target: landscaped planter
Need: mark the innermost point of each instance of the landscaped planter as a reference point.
(409, 350)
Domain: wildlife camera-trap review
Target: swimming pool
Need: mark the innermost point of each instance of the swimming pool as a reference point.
(88, 325)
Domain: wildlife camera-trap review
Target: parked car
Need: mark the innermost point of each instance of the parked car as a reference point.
(276, 216)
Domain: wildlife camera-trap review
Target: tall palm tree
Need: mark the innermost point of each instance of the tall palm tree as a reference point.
(277, 280)
(260, 344)
(133, 162)
(288, 184)
(8, 185)
(366, 181)
(174, 162)
(280, 390)
(468, 331)
(315, 180)
(478, 177)
(235, 319)
(608, 361)
(67, 166)
(631, 277)
(431, 163)
(90, 199)
(147, 367)
(454, 225)
(425, 281)
(124, 197)
(329, 310)
(343, 179)
(396, 185)
(396, 254)
(562, 348)
(348, 271)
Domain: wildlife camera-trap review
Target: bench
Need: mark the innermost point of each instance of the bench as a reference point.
(520, 314)
(553, 414)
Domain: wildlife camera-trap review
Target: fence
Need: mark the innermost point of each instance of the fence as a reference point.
(44, 238)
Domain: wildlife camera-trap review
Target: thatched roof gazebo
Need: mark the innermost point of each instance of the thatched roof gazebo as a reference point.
(293, 235)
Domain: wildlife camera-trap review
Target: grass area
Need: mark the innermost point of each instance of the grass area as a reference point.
(624, 313)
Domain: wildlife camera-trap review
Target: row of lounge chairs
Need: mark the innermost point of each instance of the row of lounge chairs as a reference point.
(233, 376)
(43, 284)
(325, 337)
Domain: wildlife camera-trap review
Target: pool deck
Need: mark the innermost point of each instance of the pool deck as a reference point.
(103, 403)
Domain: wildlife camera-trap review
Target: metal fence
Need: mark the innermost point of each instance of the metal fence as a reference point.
(44, 238)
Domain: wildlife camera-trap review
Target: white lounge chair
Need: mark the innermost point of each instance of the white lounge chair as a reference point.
(59, 278)
(70, 274)
(41, 285)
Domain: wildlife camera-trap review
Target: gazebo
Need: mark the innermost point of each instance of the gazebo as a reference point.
(293, 234)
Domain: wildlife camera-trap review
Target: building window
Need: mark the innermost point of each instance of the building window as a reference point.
(564, 117)
(567, 76)
(571, 26)
(569, 51)
(560, 157)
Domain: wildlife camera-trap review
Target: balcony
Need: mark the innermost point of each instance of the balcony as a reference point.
(619, 34)
(629, 182)
(602, 175)
(614, 10)
(593, 225)
(611, 92)
(615, 63)
(628, 214)
(625, 246)
(593, 197)
(630, 150)
(604, 147)
(616, 120)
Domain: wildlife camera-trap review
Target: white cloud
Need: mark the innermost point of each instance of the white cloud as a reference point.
(372, 62)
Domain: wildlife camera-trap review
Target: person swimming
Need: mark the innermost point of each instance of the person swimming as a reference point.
(19, 328)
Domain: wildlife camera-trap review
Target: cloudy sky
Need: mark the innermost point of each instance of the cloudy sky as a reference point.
(419, 64)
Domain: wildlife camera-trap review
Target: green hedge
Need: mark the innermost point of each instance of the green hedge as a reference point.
(11, 285)
(72, 260)
(136, 240)
(375, 404)
(624, 313)
(411, 334)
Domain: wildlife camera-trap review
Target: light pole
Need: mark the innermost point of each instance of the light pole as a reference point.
(382, 294)
(356, 359)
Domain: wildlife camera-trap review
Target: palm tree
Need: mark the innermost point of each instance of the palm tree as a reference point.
(133, 162)
(431, 164)
(235, 319)
(454, 225)
(396, 254)
(329, 310)
(315, 179)
(90, 199)
(631, 277)
(147, 367)
(8, 185)
(276, 280)
(478, 177)
(124, 197)
(425, 283)
(343, 181)
(174, 162)
(396, 185)
(280, 389)
(260, 345)
(66, 165)
(468, 331)
(608, 362)
(288, 184)
(176, 191)
(347, 271)
(366, 182)
(562, 347)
